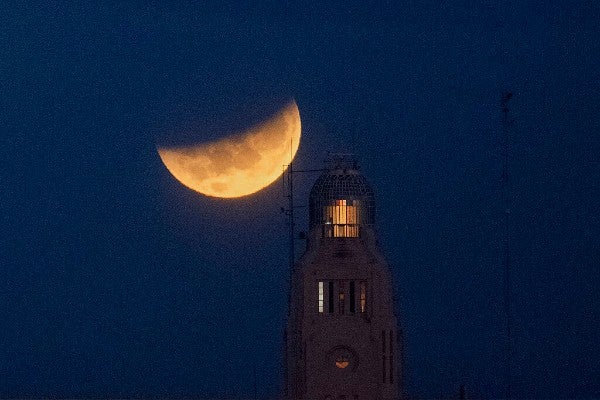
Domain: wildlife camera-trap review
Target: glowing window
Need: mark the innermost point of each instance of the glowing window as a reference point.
(341, 218)
(363, 297)
(321, 297)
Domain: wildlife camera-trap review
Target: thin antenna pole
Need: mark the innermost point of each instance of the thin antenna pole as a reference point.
(289, 212)
(507, 276)
(291, 215)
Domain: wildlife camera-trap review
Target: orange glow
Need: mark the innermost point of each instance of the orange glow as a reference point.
(341, 362)
(343, 219)
(241, 164)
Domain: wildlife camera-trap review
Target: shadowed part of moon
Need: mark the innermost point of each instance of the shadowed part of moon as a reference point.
(241, 164)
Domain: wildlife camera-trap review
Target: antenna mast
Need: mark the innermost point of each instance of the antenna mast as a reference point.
(506, 122)
(292, 249)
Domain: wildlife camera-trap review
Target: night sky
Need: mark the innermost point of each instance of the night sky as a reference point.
(118, 281)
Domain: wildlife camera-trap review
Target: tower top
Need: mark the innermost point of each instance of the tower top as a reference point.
(341, 183)
(343, 162)
(342, 338)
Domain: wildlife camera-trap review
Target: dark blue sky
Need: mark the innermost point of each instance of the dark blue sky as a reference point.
(118, 281)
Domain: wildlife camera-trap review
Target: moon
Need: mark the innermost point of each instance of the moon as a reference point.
(242, 163)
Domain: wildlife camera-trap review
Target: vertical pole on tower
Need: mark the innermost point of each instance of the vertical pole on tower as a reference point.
(292, 249)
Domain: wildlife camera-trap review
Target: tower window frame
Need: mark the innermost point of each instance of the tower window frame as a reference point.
(363, 297)
(342, 218)
(341, 298)
(321, 297)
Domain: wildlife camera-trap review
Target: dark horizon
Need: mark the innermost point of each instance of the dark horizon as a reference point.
(117, 281)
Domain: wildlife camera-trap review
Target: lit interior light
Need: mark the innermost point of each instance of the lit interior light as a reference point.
(341, 362)
(342, 216)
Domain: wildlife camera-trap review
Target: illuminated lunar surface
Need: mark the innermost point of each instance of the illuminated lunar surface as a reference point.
(241, 164)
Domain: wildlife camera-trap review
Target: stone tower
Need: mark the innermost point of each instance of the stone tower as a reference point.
(342, 340)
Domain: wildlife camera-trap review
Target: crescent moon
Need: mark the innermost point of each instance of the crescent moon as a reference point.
(241, 164)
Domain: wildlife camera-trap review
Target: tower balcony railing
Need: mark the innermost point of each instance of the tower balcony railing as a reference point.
(331, 230)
